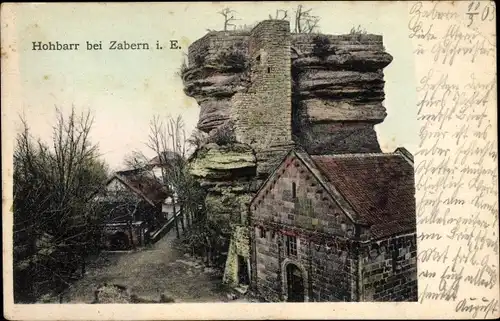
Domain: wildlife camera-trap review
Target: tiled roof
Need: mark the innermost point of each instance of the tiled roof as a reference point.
(144, 184)
(379, 187)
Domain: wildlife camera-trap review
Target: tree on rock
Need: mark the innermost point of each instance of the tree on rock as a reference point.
(229, 17)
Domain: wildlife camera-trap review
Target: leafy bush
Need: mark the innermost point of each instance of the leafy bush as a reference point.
(199, 59)
(321, 46)
(233, 58)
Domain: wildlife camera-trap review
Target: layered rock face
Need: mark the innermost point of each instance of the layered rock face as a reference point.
(338, 92)
(243, 79)
(218, 68)
(336, 86)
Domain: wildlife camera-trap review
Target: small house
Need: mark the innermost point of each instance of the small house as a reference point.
(133, 202)
(336, 228)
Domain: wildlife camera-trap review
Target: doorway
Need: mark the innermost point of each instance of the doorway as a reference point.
(243, 277)
(295, 283)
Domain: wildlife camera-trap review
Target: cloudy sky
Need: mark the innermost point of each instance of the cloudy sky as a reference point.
(125, 89)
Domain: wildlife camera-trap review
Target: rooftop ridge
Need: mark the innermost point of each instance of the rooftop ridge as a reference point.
(357, 155)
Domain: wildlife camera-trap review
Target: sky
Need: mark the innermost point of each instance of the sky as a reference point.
(124, 90)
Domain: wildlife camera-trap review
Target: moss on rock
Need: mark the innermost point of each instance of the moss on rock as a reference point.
(214, 161)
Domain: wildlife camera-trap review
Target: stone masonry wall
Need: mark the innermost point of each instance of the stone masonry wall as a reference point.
(210, 45)
(312, 208)
(262, 113)
(326, 255)
(389, 269)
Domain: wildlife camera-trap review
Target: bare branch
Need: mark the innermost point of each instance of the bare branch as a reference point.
(229, 17)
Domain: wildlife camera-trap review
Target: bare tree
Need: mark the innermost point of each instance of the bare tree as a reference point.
(305, 22)
(197, 139)
(229, 17)
(280, 15)
(135, 160)
(168, 141)
(55, 224)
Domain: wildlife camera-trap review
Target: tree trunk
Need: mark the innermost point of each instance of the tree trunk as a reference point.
(176, 223)
(186, 213)
(182, 219)
(132, 243)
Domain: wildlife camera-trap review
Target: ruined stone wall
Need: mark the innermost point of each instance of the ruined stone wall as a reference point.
(304, 42)
(323, 89)
(325, 253)
(262, 112)
(389, 269)
(210, 45)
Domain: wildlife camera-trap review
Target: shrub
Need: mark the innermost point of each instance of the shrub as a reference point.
(358, 30)
(199, 59)
(233, 58)
(321, 46)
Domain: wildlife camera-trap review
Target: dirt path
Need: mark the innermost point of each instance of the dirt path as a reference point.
(149, 273)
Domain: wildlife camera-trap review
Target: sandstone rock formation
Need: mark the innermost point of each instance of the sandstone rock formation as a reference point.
(228, 174)
(338, 92)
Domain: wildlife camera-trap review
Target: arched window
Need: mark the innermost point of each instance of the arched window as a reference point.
(294, 190)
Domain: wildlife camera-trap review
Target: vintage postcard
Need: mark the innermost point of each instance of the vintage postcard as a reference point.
(249, 160)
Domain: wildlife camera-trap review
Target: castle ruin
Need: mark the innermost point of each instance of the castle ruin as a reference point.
(273, 89)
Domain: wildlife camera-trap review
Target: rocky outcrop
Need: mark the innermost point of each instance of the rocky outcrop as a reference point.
(338, 92)
(228, 174)
(217, 69)
(321, 92)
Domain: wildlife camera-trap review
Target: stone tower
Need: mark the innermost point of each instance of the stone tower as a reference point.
(262, 113)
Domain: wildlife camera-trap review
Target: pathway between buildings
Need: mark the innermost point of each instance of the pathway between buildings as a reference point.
(148, 273)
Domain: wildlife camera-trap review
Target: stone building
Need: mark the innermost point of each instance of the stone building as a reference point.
(336, 228)
(273, 89)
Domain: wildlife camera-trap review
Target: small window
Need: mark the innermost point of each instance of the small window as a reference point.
(262, 233)
(294, 190)
(291, 245)
(258, 58)
(268, 70)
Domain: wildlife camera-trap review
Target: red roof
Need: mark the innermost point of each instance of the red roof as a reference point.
(379, 187)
